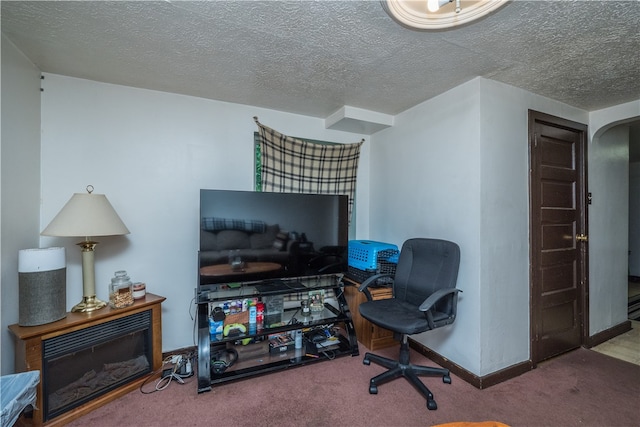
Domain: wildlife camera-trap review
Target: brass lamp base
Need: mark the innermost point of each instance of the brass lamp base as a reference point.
(88, 304)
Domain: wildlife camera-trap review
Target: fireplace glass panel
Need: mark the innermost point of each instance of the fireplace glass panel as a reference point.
(83, 365)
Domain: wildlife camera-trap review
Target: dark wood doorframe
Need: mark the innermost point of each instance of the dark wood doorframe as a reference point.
(577, 132)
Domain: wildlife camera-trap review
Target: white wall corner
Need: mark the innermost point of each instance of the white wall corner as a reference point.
(358, 120)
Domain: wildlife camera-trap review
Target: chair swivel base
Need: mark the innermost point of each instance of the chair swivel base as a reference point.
(403, 368)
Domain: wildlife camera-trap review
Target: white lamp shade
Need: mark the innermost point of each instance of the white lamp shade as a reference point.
(86, 215)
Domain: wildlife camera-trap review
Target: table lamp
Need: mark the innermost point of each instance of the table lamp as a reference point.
(87, 215)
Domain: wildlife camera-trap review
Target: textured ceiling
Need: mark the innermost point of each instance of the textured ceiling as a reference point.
(314, 57)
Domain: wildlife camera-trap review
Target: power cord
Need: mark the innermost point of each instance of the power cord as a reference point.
(294, 320)
(329, 354)
(174, 368)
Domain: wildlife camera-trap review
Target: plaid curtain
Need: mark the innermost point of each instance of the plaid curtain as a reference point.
(292, 165)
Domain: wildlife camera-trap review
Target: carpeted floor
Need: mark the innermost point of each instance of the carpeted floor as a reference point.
(581, 388)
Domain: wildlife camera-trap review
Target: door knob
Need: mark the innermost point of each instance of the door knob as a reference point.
(582, 238)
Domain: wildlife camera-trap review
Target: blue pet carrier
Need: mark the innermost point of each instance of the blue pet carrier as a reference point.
(367, 258)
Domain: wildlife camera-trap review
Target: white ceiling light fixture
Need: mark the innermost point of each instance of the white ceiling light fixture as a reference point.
(434, 5)
(439, 14)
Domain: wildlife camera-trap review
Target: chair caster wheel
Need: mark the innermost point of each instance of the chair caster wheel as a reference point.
(373, 389)
(366, 362)
(431, 405)
(446, 379)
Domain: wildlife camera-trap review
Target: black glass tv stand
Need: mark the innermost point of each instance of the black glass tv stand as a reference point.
(243, 347)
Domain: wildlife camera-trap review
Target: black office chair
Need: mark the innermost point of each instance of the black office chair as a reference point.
(424, 298)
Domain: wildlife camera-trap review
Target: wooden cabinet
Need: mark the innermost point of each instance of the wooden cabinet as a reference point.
(32, 343)
(371, 336)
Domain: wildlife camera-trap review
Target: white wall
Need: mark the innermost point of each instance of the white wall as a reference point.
(608, 215)
(425, 183)
(150, 153)
(634, 219)
(20, 179)
(601, 120)
(609, 228)
(504, 237)
(458, 169)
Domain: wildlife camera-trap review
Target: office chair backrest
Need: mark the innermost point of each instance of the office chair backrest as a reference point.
(424, 266)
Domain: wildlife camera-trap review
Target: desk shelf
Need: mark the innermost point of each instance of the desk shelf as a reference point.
(254, 358)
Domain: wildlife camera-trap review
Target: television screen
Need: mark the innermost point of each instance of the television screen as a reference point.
(247, 235)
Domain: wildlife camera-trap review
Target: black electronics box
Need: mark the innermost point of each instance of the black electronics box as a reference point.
(281, 343)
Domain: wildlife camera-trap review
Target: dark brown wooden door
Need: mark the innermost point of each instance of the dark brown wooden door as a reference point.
(559, 239)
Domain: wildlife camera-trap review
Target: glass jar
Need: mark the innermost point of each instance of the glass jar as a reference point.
(305, 308)
(120, 290)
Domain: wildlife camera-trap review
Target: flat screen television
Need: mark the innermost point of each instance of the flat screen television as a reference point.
(248, 235)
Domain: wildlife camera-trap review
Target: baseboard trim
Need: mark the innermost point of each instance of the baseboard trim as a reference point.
(480, 382)
(509, 372)
(607, 334)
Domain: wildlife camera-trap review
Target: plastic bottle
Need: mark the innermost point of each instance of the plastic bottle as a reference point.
(298, 338)
(253, 314)
(260, 315)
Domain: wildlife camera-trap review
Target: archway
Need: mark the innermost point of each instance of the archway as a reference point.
(609, 217)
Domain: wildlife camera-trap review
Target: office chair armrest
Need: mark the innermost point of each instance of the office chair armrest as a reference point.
(363, 287)
(428, 304)
(435, 297)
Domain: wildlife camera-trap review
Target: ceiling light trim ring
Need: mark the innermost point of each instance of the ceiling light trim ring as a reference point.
(410, 14)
